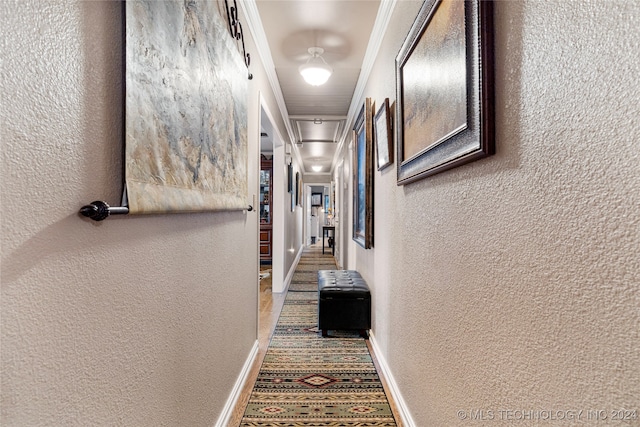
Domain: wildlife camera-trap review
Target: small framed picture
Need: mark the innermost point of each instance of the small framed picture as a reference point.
(384, 136)
(316, 199)
(298, 189)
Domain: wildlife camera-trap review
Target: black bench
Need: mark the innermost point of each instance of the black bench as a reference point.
(344, 301)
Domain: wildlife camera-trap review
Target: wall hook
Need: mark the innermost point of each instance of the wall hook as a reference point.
(235, 28)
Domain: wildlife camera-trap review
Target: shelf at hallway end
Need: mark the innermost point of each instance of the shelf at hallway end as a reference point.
(331, 238)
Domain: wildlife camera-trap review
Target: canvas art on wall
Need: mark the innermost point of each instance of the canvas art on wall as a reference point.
(363, 176)
(186, 114)
(444, 89)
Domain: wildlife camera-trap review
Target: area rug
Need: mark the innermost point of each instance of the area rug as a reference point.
(305, 278)
(304, 287)
(307, 380)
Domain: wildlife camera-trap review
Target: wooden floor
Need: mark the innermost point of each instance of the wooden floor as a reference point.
(270, 307)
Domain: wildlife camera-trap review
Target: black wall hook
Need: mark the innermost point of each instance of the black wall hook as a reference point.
(235, 28)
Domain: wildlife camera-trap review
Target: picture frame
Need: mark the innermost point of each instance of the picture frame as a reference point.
(363, 176)
(290, 187)
(384, 136)
(316, 199)
(444, 89)
(298, 189)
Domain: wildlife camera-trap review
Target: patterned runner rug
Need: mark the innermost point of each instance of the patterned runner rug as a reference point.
(307, 380)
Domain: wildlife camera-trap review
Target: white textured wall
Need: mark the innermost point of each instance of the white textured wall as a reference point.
(514, 282)
(135, 321)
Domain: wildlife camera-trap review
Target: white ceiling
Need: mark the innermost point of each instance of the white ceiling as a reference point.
(284, 31)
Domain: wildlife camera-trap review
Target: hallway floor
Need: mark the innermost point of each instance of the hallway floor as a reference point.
(270, 306)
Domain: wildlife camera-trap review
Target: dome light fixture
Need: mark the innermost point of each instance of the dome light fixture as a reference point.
(316, 71)
(316, 168)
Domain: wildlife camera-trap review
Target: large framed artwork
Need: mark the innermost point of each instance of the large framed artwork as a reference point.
(186, 109)
(363, 177)
(444, 88)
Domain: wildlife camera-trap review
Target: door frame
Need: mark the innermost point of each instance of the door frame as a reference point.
(277, 204)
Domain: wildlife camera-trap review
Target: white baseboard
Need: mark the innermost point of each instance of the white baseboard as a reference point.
(227, 411)
(294, 265)
(393, 386)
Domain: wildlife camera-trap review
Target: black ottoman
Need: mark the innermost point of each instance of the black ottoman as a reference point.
(344, 301)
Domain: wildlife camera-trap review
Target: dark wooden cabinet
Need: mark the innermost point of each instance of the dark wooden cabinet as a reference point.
(266, 219)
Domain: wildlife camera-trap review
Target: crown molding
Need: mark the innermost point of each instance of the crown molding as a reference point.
(254, 23)
(375, 41)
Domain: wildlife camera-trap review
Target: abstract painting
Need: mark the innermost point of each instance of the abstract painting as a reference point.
(363, 177)
(444, 88)
(186, 109)
(435, 81)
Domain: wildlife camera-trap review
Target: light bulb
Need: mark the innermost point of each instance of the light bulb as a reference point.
(316, 71)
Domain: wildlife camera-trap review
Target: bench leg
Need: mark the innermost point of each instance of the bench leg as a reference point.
(364, 334)
(324, 333)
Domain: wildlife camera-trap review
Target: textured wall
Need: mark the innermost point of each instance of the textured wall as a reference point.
(135, 321)
(514, 282)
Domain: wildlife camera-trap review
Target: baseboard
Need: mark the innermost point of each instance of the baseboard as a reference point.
(227, 411)
(294, 265)
(407, 420)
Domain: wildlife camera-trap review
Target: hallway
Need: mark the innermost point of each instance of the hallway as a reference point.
(508, 283)
(301, 289)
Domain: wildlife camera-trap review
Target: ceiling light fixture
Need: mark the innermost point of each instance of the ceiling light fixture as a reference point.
(316, 71)
(316, 168)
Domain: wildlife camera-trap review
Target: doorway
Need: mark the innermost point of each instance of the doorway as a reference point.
(271, 223)
(317, 197)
